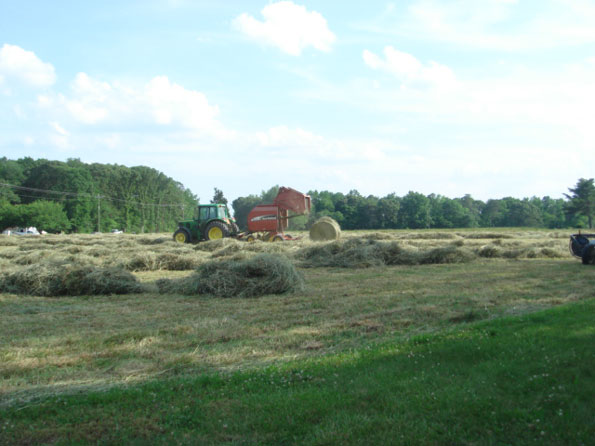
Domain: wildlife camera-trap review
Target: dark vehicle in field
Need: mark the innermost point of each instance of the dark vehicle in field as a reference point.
(583, 247)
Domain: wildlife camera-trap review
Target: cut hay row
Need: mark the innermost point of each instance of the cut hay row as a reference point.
(493, 251)
(150, 261)
(362, 253)
(68, 280)
(260, 275)
(154, 253)
(246, 274)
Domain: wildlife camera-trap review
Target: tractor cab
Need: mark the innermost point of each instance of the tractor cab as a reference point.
(211, 222)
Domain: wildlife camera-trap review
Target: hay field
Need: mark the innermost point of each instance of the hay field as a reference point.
(131, 319)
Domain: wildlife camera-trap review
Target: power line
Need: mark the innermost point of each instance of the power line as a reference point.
(84, 195)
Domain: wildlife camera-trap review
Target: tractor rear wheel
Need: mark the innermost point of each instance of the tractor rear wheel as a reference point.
(234, 227)
(216, 230)
(182, 236)
(589, 255)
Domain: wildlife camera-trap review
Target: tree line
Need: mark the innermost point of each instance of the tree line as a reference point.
(417, 211)
(73, 196)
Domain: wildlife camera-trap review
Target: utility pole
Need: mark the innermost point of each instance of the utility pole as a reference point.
(98, 213)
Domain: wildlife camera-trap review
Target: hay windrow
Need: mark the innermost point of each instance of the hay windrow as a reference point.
(484, 235)
(99, 251)
(146, 260)
(10, 253)
(528, 252)
(256, 276)
(379, 236)
(447, 254)
(362, 253)
(226, 251)
(5, 264)
(214, 245)
(139, 261)
(5, 240)
(31, 258)
(234, 247)
(153, 241)
(430, 236)
(68, 280)
(490, 251)
(77, 259)
(551, 253)
(325, 229)
(176, 262)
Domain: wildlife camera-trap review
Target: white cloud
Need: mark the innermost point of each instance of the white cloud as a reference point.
(171, 103)
(290, 27)
(59, 137)
(24, 67)
(560, 100)
(409, 70)
(283, 136)
(59, 129)
(283, 141)
(91, 99)
(502, 24)
(19, 112)
(159, 103)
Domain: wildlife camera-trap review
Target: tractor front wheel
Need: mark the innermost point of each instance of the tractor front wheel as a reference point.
(589, 255)
(182, 236)
(216, 230)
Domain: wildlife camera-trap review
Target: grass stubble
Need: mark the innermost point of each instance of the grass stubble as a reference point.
(54, 347)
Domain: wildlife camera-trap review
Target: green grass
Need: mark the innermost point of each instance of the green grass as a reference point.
(352, 358)
(520, 380)
(54, 345)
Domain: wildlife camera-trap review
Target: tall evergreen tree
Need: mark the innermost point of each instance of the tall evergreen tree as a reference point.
(218, 197)
(581, 200)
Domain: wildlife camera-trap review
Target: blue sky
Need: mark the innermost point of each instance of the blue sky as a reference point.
(492, 98)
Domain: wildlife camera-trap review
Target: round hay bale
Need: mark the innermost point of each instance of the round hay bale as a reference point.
(325, 229)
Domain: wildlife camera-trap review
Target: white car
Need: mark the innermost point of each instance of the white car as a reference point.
(25, 231)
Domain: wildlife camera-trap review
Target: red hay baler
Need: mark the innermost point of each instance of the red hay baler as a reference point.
(269, 221)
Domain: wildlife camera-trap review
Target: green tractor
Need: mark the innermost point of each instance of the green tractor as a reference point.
(211, 222)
